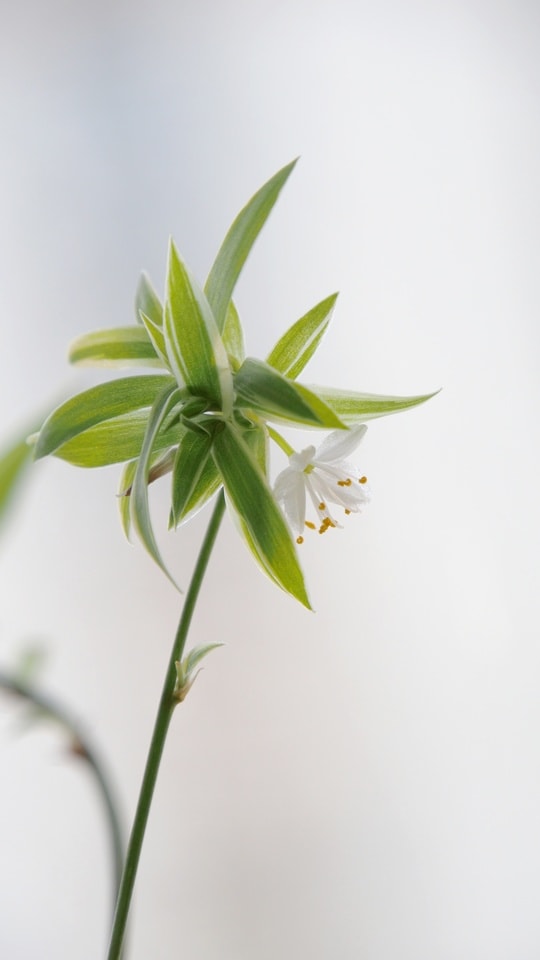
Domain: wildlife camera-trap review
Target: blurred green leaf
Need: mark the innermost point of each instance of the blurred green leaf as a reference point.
(165, 404)
(238, 243)
(14, 459)
(194, 347)
(156, 336)
(114, 441)
(149, 312)
(30, 664)
(263, 389)
(293, 350)
(100, 403)
(120, 347)
(356, 407)
(269, 537)
(148, 302)
(233, 336)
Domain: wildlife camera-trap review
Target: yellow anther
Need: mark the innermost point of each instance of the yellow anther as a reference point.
(322, 506)
(344, 483)
(347, 512)
(299, 539)
(310, 525)
(362, 480)
(327, 522)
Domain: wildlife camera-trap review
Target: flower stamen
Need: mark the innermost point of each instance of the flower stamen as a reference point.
(326, 478)
(326, 524)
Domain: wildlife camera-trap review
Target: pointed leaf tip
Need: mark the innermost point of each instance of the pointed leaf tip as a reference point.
(194, 347)
(163, 406)
(296, 347)
(238, 242)
(260, 518)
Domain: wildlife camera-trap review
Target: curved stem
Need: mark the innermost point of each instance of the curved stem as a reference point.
(81, 747)
(167, 704)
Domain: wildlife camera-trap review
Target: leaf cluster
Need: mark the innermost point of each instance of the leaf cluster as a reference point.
(202, 412)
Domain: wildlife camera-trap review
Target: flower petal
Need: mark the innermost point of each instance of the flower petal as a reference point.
(290, 490)
(299, 461)
(316, 488)
(340, 443)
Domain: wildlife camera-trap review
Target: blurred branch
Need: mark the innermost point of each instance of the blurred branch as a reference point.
(80, 747)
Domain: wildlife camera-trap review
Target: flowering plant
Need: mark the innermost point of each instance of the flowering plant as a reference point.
(207, 415)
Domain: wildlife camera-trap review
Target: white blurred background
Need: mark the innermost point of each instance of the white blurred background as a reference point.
(363, 782)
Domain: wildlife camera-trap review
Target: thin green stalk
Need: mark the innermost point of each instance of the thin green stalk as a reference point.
(82, 748)
(281, 441)
(166, 707)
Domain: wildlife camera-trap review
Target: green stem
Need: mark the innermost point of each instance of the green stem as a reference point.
(82, 748)
(166, 707)
(281, 441)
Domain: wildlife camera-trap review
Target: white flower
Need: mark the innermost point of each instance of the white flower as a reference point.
(327, 477)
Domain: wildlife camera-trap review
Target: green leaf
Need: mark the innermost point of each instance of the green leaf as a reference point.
(160, 465)
(123, 346)
(356, 407)
(195, 656)
(252, 546)
(293, 350)
(233, 337)
(114, 441)
(256, 439)
(124, 496)
(185, 676)
(269, 537)
(149, 312)
(13, 462)
(148, 302)
(208, 483)
(156, 337)
(263, 389)
(191, 458)
(238, 243)
(100, 403)
(166, 402)
(194, 347)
